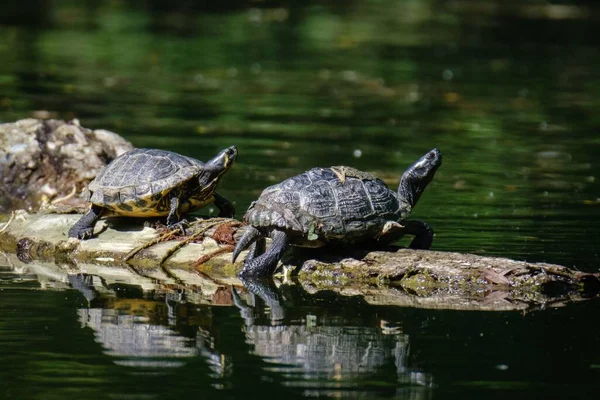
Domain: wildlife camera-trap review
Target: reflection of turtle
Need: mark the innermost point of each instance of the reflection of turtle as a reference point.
(334, 205)
(153, 183)
(350, 353)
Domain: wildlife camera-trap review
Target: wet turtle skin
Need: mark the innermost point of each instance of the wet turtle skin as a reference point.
(339, 205)
(155, 183)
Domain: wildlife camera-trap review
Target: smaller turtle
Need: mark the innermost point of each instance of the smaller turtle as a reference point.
(155, 183)
(337, 205)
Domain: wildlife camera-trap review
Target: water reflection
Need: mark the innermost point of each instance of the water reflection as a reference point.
(135, 342)
(133, 331)
(310, 350)
(296, 345)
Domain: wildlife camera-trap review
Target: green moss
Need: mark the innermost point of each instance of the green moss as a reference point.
(230, 269)
(419, 283)
(8, 243)
(323, 274)
(143, 263)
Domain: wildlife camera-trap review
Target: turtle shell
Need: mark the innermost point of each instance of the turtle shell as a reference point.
(138, 183)
(337, 203)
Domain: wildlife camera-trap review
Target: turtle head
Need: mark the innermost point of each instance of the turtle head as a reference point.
(213, 169)
(416, 178)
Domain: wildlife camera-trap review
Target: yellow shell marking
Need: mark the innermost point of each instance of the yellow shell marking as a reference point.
(153, 210)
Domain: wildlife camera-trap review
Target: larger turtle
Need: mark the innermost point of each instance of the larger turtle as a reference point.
(155, 183)
(334, 205)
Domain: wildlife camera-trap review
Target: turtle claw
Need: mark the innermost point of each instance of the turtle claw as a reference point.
(81, 234)
(250, 236)
(84, 228)
(179, 225)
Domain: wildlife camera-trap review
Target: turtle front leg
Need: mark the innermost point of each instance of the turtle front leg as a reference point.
(226, 209)
(423, 234)
(265, 264)
(174, 220)
(84, 228)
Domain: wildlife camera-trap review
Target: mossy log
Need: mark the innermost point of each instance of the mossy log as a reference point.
(152, 258)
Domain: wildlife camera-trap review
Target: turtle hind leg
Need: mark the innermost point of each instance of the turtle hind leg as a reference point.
(265, 264)
(84, 228)
(423, 234)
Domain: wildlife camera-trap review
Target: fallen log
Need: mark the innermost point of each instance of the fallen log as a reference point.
(201, 262)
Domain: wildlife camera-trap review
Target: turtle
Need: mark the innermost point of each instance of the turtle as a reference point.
(155, 183)
(334, 205)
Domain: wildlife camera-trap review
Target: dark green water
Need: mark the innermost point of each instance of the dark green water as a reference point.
(509, 91)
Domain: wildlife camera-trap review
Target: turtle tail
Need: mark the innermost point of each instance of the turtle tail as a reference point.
(250, 236)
